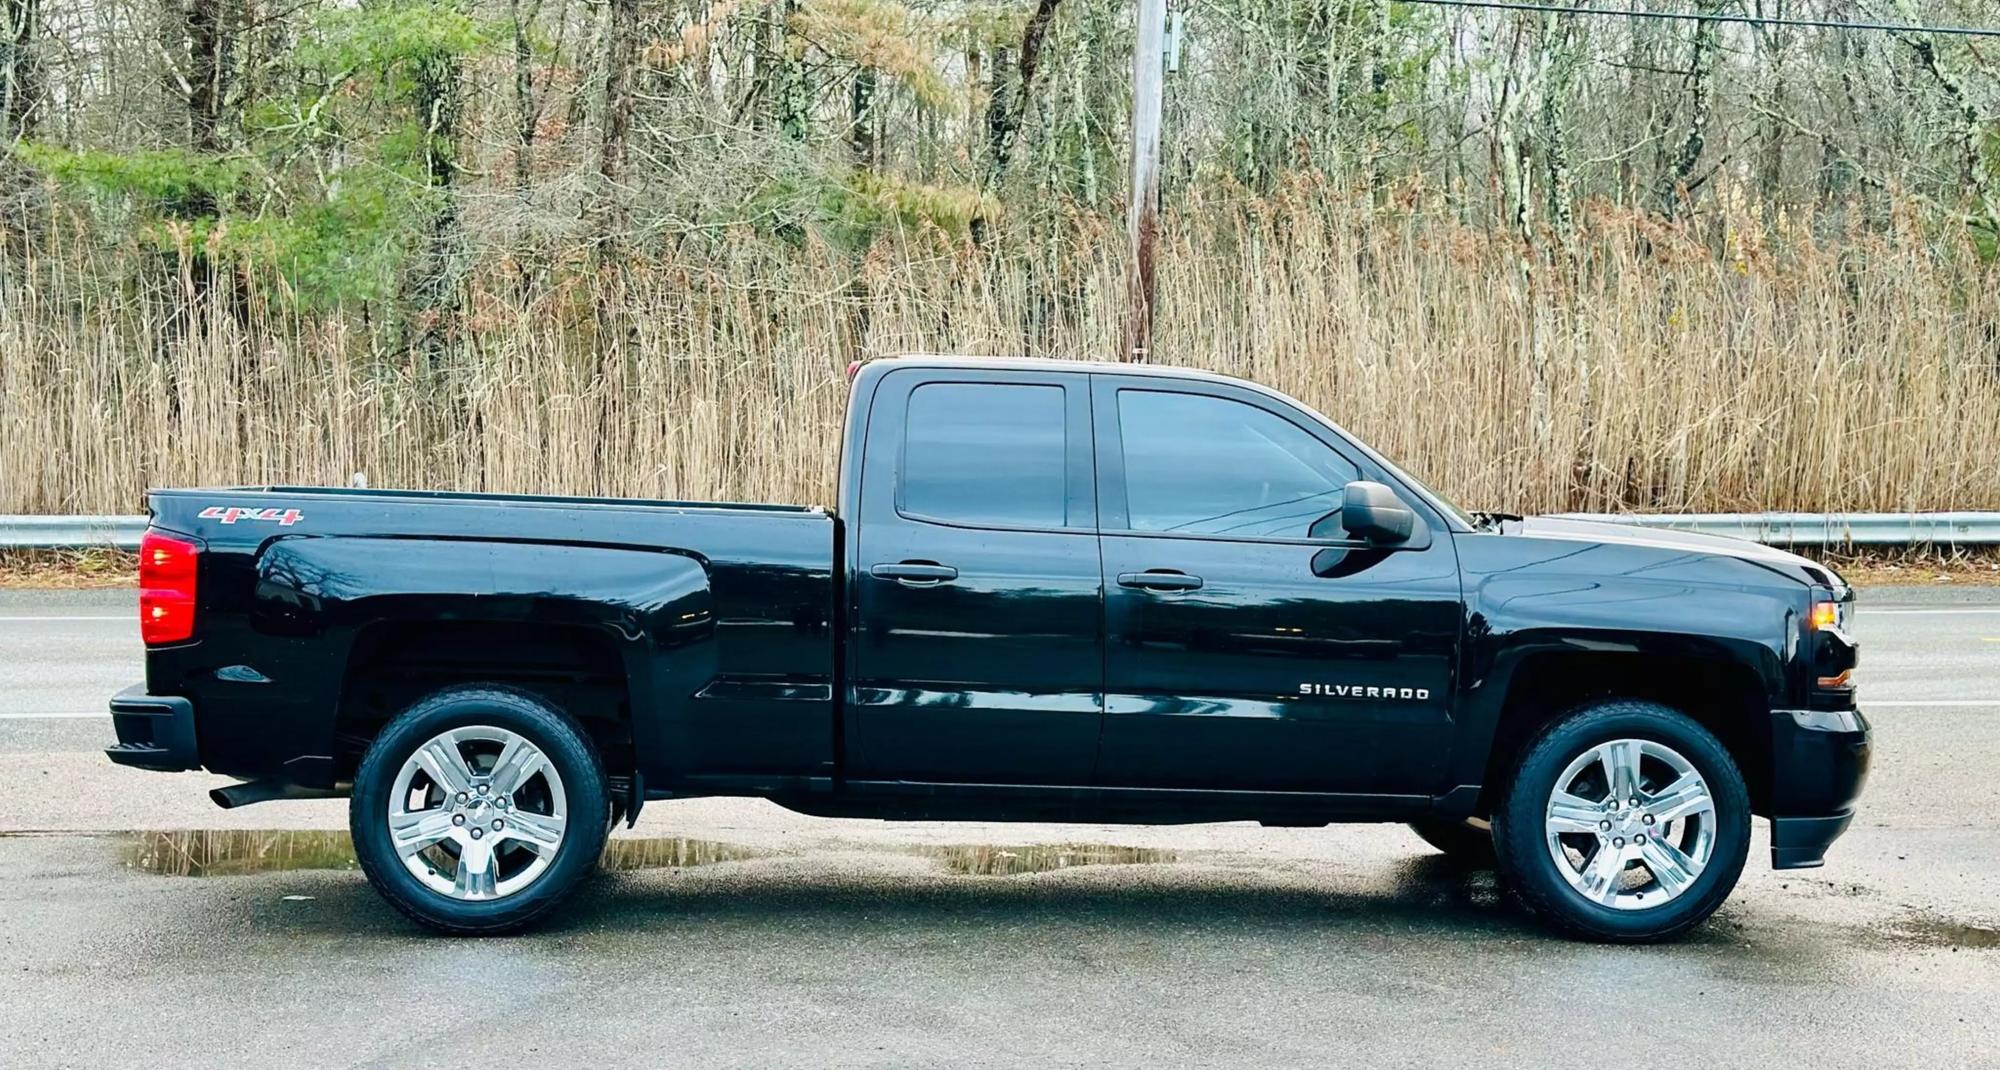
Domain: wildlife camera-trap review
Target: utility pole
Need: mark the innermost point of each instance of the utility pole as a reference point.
(1143, 212)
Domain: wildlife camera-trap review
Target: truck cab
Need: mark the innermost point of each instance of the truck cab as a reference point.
(1136, 581)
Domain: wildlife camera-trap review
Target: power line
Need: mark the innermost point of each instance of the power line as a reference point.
(1689, 16)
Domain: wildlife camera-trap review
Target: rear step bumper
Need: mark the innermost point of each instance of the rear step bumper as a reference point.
(154, 731)
(1801, 842)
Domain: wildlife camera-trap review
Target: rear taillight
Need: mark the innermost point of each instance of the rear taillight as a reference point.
(167, 567)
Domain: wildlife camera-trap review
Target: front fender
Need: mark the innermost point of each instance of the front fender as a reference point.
(1513, 620)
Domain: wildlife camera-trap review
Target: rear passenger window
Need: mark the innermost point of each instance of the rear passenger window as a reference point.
(985, 453)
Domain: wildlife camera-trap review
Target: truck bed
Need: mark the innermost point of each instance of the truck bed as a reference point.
(714, 618)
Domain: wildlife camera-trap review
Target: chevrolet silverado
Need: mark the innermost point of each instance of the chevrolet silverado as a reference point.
(1051, 590)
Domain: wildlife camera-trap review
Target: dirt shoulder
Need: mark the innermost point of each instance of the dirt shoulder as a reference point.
(67, 570)
(1919, 568)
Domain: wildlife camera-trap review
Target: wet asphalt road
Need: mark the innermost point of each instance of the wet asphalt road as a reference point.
(841, 944)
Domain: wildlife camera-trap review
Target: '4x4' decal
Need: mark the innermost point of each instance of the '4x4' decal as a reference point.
(230, 514)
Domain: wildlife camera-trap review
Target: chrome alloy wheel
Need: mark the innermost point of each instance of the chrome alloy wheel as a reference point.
(477, 813)
(1630, 824)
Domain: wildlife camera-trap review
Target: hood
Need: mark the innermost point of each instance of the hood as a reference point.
(1556, 527)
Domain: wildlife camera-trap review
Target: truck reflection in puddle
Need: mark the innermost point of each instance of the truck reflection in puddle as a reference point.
(234, 852)
(985, 861)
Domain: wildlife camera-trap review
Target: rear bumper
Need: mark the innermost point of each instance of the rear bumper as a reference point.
(154, 731)
(1819, 766)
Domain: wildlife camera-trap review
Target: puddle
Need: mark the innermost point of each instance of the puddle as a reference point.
(671, 852)
(217, 853)
(1927, 930)
(231, 852)
(985, 861)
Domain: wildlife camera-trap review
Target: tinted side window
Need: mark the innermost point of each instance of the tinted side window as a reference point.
(985, 453)
(1212, 466)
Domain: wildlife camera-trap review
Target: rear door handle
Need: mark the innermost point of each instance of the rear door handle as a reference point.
(1159, 580)
(923, 573)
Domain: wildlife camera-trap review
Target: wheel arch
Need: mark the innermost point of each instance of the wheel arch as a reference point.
(393, 664)
(1727, 697)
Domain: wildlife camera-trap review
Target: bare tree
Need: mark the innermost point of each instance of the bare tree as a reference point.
(1677, 179)
(1969, 129)
(527, 103)
(20, 68)
(861, 117)
(621, 49)
(1772, 133)
(1561, 60)
(1011, 90)
(211, 46)
(432, 293)
(793, 95)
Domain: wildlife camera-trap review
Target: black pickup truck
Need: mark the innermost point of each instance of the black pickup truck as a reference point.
(1051, 591)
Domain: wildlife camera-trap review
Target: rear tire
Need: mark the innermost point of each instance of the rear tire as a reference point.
(1465, 843)
(479, 809)
(1576, 849)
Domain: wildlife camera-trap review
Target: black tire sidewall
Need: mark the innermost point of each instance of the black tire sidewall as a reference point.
(1519, 830)
(561, 740)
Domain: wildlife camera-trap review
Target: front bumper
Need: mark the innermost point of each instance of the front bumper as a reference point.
(1819, 764)
(1801, 842)
(154, 731)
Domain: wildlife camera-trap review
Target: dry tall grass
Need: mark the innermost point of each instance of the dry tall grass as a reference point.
(1770, 375)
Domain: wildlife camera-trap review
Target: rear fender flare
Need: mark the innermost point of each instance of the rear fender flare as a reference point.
(655, 607)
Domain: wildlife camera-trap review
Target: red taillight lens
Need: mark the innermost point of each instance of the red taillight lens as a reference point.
(166, 587)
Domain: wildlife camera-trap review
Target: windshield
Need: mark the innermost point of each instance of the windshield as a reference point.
(1453, 513)
(1438, 501)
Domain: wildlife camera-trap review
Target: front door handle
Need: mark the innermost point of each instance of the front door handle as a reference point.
(1159, 579)
(915, 573)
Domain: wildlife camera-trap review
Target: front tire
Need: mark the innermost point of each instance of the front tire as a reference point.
(479, 809)
(1625, 822)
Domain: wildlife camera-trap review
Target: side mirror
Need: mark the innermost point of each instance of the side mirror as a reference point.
(1374, 514)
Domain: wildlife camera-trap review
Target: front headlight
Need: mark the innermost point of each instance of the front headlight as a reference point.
(1831, 615)
(1834, 650)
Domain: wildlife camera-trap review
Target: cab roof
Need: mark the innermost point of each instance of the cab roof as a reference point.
(1054, 364)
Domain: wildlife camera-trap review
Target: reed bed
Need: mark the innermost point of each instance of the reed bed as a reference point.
(1652, 368)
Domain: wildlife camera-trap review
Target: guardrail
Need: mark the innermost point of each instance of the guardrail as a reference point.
(1774, 529)
(1825, 529)
(70, 532)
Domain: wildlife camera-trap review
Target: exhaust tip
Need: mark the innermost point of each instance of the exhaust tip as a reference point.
(231, 796)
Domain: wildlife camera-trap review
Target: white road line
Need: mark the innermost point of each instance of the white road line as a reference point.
(133, 617)
(1863, 612)
(1871, 704)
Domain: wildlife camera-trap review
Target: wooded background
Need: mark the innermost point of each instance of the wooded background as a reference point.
(628, 246)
